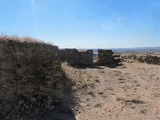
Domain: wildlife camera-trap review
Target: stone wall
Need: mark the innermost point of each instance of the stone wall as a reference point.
(29, 70)
(105, 57)
(76, 58)
(86, 58)
(69, 55)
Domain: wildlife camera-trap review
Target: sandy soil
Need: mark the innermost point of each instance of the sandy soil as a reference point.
(128, 92)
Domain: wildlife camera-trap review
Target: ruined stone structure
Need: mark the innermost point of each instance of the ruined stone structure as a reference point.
(85, 58)
(76, 58)
(69, 55)
(105, 57)
(32, 80)
(30, 77)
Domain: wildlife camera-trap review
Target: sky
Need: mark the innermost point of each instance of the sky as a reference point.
(84, 23)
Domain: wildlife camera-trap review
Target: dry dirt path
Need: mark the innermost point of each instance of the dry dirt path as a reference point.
(129, 92)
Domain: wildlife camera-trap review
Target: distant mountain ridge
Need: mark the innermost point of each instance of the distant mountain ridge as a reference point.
(136, 49)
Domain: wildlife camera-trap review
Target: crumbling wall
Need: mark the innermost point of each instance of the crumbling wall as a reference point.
(69, 55)
(105, 57)
(86, 58)
(28, 72)
(76, 58)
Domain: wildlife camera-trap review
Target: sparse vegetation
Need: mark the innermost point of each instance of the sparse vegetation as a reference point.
(127, 101)
(136, 101)
(91, 92)
(102, 71)
(157, 94)
(143, 111)
(100, 93)
(22, 39)
(120, 99)
(135, 81)
(118, 73)
(121, 78)
(111, 89)
(98, 105)
(96, 80)
(96, 77)
(78, 77)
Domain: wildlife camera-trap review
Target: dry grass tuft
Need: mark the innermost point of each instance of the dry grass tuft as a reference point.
(117, 73)
(78, 77)
(21, 39)
(128, 101)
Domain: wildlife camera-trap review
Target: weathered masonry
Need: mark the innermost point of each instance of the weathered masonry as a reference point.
(30, 76)
(28, 66)
(105, 57)
(85, 58)
(76, 58)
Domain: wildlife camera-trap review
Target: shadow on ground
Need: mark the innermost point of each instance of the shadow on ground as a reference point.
(63, 109)
(97, 66)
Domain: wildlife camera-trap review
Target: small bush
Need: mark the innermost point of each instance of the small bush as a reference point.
(136, 101)
(126, 101)
(21, 39)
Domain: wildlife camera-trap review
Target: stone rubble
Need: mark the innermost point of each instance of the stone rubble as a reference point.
(24, 106)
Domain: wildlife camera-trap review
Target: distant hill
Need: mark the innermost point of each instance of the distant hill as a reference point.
(135, 50)
(138, 49)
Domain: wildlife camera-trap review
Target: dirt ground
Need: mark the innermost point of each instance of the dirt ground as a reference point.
(128, 92)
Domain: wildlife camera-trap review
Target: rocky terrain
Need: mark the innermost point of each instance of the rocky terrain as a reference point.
(127, 92)
(143, 58)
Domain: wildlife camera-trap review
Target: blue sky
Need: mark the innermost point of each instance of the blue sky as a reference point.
(84, 23)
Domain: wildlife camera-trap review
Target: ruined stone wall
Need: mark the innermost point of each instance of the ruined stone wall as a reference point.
(105, 57)
(76, 58)
(28, 70)
(86, 58)
(69, 55)
(32, 83)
